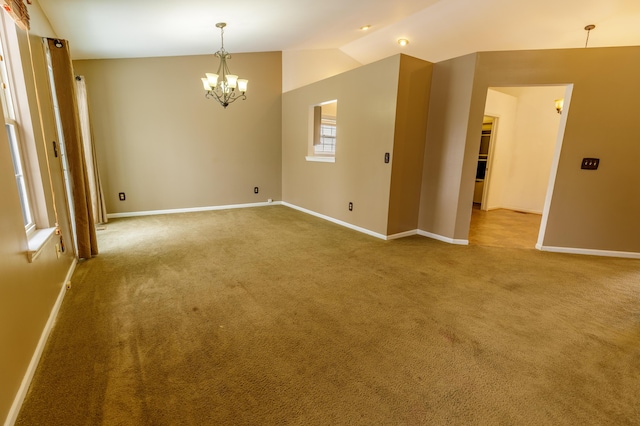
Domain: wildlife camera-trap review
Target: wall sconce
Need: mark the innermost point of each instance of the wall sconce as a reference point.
(559, 105)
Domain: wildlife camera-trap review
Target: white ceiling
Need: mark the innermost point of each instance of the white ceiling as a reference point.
(437, 29)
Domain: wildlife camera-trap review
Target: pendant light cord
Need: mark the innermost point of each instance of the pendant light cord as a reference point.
(588, 28)
(586, 43)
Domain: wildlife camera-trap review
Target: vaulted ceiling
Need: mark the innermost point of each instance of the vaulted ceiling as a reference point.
(436, 29)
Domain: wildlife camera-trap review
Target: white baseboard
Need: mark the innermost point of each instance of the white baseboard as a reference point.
(518, 209)
(191, 209)
(336, 221)
(590, 252)
(375, 234)
(35, 359)
(568, 250)
(514, 209)
(442, 238)
(402, 234)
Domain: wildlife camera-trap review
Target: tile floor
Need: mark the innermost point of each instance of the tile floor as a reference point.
(504, 228)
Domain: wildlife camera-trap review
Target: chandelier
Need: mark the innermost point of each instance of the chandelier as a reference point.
(223, 86)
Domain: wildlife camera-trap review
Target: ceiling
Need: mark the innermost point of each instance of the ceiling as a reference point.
(437, 29)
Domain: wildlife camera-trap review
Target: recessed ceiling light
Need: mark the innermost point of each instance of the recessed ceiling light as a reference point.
(365, 27)
(403, 41)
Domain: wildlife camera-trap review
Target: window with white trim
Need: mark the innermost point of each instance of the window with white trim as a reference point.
(15, 145)
(322, 132)
(21, 138)
(327, 143)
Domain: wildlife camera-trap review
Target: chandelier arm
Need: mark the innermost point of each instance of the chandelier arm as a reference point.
(234, 98)
(221, 100)
(225, 98)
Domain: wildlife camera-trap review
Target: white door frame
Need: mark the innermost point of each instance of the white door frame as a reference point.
(487, 175)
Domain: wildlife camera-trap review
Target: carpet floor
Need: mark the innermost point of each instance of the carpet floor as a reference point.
(268, 316)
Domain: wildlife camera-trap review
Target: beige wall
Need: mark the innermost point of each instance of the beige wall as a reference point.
(365, 131)
(595, 210)
(28, 291)
(167, 147)
(373, 119)
(451, 89)
(414, 84)
(302, 67)
(39, 22)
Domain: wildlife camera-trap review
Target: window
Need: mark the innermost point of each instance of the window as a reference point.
(323, 131)
(22, 140)
(327, 143)
(18, 169)
(15, 146)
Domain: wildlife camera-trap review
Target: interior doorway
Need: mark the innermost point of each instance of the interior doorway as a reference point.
(519, 147)
(483, 170)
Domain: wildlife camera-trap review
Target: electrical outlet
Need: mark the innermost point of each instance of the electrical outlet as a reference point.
(121, 196)
(58, 251)
(256, 190)
(350, 206)
(387, 157)
(590, 163)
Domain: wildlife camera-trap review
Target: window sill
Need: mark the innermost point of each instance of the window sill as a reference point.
(37, 241)
(321, 159)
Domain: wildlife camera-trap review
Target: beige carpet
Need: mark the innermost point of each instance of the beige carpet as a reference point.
(269, 316)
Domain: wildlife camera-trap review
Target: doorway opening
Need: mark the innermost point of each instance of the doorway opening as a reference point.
(484, 168)
(519, 148)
